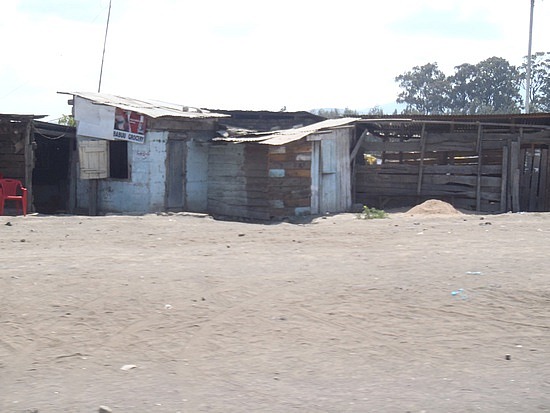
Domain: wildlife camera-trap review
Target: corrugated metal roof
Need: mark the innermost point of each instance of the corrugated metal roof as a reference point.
(151, 108)
(282, 137)
(11, 116)
(540, 118)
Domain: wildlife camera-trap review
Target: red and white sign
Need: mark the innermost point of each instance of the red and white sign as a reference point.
(129, 126)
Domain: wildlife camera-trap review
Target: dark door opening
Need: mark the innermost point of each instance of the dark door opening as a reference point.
(534, 178)
(50, 177)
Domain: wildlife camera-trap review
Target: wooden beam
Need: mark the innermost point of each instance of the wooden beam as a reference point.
(356, 148)
(543, 190)
(421, 167)
(504, 180)
(29, 146)
(514, 175)
(92, 197)
(534, 181)
(479, 165)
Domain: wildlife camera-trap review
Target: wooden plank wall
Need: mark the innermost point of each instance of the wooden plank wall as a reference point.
(13, 146)
(289, 186)
(534, 178)
(238, 182)
(445, 167)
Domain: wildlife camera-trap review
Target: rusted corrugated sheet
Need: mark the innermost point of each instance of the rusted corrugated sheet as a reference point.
(151, 108)
(19, 118)
(282, 137)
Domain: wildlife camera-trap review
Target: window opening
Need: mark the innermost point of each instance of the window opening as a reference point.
(118, 159)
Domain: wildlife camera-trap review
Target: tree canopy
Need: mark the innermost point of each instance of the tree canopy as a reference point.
(540, 81)
(490, 86)
(333, 113)
(424, 89)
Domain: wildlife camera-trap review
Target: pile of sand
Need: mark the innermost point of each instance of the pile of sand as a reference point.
(434, 207)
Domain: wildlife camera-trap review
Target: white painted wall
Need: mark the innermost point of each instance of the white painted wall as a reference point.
(93, 120)
(144, 191)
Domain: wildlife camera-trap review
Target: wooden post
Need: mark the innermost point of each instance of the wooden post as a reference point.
(543, 192)
(354, 167)
(535, 155)
(29, 148)
(504, 180)
(479, 166)
(92, 197)
(315, 176)
(421, 166)
(356, 148)
(514, 174)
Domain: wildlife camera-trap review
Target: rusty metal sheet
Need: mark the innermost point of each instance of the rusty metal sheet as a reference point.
(151, 108)
(282, 137)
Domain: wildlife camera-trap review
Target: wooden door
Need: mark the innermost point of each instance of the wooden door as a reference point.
(329, 190)
(94, 158)
(330, 172)
(175, 175)
(533, 192)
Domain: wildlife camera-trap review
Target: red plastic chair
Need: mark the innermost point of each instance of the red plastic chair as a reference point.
(13, 190)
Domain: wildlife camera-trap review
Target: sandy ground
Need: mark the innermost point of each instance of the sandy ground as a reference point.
(178, 313)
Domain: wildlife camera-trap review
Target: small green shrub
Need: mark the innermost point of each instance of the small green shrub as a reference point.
(372, 213)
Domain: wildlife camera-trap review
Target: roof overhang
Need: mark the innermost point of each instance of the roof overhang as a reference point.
(151, 108)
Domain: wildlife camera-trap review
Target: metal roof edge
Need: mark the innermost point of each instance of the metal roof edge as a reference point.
(19, 117)
(284, 136)
(152, 108)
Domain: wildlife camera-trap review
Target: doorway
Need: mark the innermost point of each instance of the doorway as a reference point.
(52, 171)
(175, 174)
(534, 177)
(330, 172)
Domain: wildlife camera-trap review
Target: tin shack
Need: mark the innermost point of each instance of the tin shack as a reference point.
(139, 156)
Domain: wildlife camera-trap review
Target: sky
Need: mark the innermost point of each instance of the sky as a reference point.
(248, 54)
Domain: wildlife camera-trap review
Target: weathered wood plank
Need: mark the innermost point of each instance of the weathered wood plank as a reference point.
(291, 165)
(297, 202)
(526, 168)
(297, 173)
(282, 212)
(429, 169)
(534, 182)
(289, 182)
(486, 181)
(289, 157)
(504, 180)
(237, 196)
(238, 211)
(515, 175)
(479, 166)
(429, 190)
(543, 189)
(238, 180)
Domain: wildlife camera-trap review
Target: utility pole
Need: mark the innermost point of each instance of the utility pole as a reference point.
(528, 72)
(94, 183)
(104, 46)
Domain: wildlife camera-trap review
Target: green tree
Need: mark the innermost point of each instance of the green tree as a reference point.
(539, 96)
(66, 120)
(497, 86)
(490, 86)
(375, 111)
(349, 112)
(334, 113)
(425, 90)
(462, 99)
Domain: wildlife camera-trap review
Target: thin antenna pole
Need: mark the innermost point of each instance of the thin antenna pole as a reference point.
(104, 46)
(528, 72)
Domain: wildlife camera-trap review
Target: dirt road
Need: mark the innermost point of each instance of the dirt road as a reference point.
(176, 313)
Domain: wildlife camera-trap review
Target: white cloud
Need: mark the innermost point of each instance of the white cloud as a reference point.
(248, 54)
